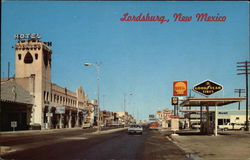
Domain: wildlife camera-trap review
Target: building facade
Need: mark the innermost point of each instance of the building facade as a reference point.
(51, 106)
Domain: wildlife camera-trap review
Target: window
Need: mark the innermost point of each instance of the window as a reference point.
(60, 99)
(36, 56)
(44, 95)
(28, 58)
(237, 118)
(19, 56)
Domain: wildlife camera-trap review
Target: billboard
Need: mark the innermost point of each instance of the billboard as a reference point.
(151, 117)
(60, 110)
(207, 87)
(180, 88)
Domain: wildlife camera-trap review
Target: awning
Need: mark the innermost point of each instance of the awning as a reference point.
(197, 102)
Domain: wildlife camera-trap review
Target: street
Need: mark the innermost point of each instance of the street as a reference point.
(82, 144)
(86, 144)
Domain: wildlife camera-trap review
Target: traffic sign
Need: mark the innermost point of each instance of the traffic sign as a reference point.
(49, 114)
(13, 124)
(207, 88)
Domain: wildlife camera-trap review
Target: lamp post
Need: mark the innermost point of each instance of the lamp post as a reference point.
(124, 106)
(97, 66)
(124, 101)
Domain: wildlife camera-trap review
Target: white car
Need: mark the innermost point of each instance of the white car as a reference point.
(86, 125)
(231, 126)
(135, 129)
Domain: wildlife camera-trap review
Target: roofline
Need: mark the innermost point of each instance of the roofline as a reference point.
(212, 99)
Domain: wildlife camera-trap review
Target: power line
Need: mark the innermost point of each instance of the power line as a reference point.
(243, 68)
(239, 91)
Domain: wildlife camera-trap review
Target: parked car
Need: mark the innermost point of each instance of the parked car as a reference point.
(86, 125)
(135, 129)
(195, 126)
(232, 126)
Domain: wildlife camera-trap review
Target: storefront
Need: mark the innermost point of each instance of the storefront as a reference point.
(15, 107)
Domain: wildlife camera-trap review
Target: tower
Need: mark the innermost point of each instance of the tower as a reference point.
(33, 59)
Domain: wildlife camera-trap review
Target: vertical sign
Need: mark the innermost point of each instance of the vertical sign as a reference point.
(13, 124)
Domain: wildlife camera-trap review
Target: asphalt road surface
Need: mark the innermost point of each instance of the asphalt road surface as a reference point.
(83, 145)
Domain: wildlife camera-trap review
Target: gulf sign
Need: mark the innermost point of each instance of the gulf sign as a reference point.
(180, 88)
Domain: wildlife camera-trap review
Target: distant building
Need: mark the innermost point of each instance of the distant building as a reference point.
(163, 117)
(124, 118)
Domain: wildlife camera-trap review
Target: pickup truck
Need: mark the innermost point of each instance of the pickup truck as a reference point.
(231, 126)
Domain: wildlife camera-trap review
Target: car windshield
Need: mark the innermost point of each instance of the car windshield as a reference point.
(135, 126)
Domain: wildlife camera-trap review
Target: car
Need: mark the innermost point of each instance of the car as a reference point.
(196, 126)
(86, 125)
(135, 129)
(232, 126)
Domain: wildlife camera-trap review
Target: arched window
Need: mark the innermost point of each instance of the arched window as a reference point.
(19, 56)
(36, 56)
(28, 58)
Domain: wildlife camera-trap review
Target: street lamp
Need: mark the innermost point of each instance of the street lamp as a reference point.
(97, 66)
(124, 101)
(124, 106)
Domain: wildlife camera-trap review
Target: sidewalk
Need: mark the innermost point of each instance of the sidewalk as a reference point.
(232, 145)
(44, 131)
(10, 141)
(48, 131)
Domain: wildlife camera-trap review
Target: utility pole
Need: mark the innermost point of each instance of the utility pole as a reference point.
(8, 70)
(244, 69)
(239, 91)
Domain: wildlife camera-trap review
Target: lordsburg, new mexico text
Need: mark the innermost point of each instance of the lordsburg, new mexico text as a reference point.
(177, 17)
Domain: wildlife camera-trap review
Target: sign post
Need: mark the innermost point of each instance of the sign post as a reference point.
(207, 88)
(60, 110)
(179, 89)
(13, 125)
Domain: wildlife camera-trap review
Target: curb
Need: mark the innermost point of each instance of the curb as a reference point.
(189, 153)
(4, 149)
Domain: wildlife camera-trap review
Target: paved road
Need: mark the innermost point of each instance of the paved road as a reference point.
(76, 145)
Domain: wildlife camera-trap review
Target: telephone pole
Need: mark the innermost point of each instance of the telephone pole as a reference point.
(239, 91)
(244, 69)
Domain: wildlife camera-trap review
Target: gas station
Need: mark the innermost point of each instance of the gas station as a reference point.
(208, 117)
(207, 103)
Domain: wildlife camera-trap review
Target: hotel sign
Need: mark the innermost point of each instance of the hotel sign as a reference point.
(207, 88)
(27, 36)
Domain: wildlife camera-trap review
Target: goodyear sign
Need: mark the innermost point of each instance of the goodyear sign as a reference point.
(207, 87)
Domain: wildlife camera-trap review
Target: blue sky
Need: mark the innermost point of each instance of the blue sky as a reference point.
(143, 58)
